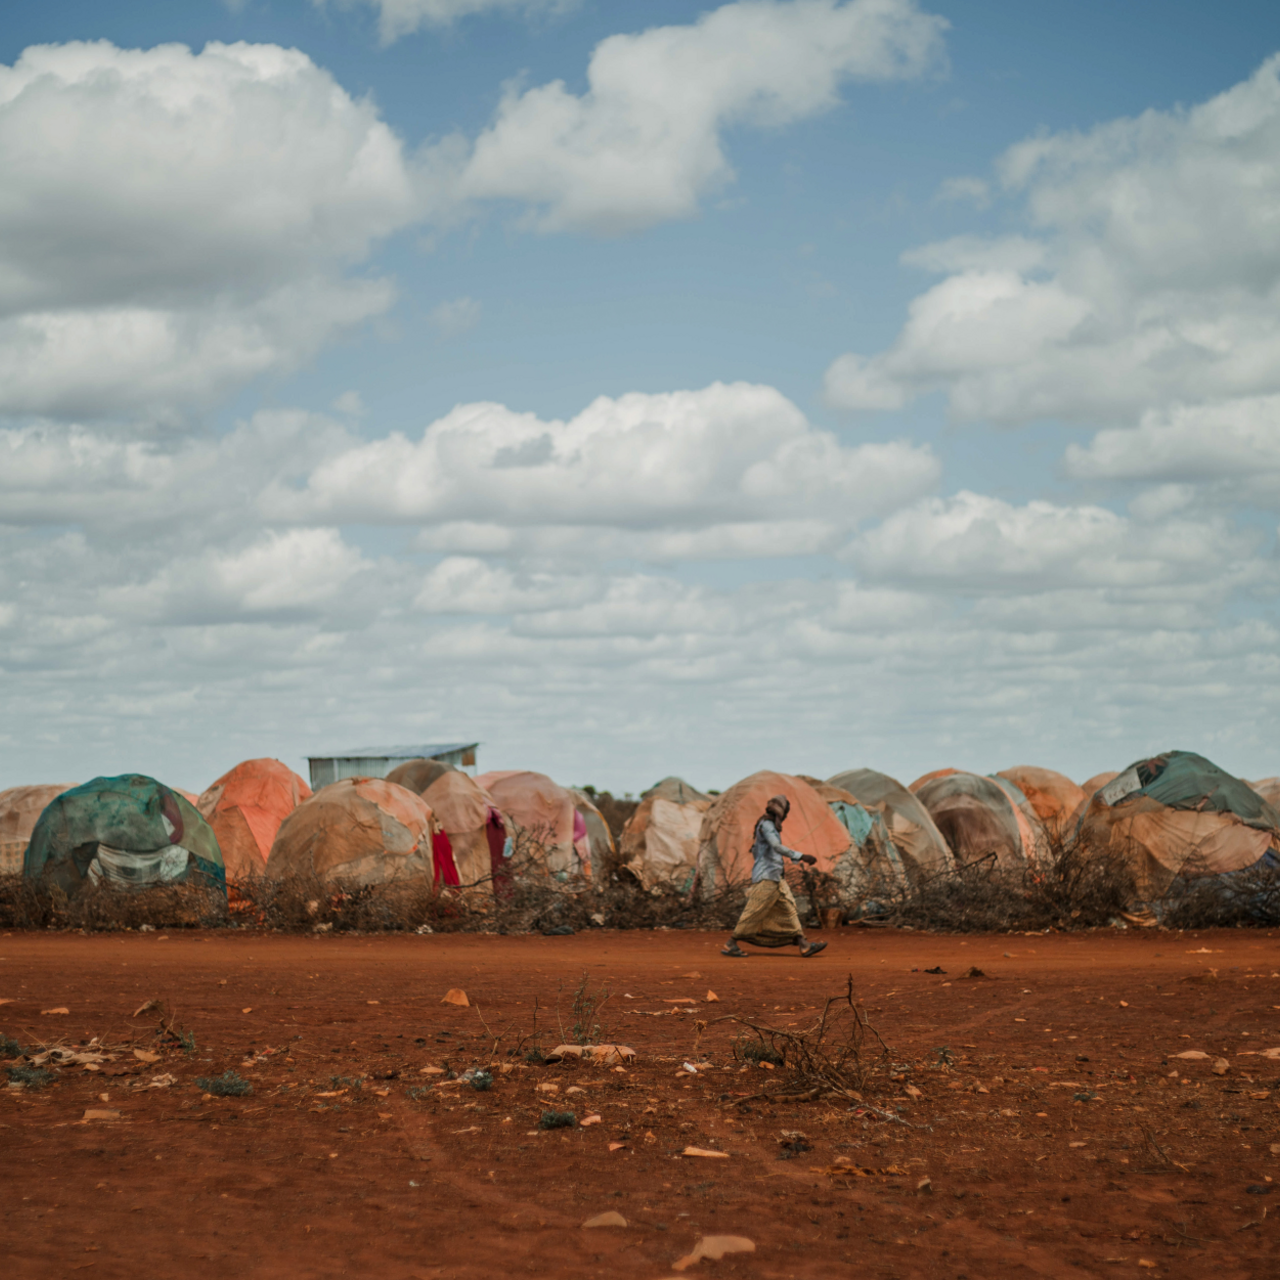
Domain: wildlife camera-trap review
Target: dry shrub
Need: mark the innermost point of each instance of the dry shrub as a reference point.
(34, 904)
(1198, 899)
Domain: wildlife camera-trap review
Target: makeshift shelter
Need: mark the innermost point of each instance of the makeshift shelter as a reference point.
(660, 840)
(871, 867)
(417, 775)
(471, 822)
(984, 816)
(19, 809)
(728, 827)
(929, 777)
(360, 831)
(1053, 797)
(1179, 813)
(592, 838)
(1267, 788)
(541, 814)
(245, 808)
(130, 832)
(918, 841)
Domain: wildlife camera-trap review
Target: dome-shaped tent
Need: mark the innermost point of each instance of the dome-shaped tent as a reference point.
(361, 831)
(728, 827)
(542, 812)
(871, 867)
(929, 777)
(1053, 797)
(131, 832)
(19, 809)
(245, 808)
(472, 822)
(982, 816)
(1178, 812)
(418, 774)
(660, 840)
(1267, 788)
(918, 841)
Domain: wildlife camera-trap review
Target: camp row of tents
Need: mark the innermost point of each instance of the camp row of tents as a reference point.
(1168, 814)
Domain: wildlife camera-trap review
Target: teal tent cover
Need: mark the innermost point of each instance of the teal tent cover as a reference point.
(1184, 780)
(130, 830)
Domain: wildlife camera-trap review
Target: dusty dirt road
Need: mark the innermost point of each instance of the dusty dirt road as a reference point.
(1058, 1143)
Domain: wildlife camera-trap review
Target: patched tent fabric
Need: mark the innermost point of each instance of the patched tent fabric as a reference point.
(660, 840)
(918, 841)
(466, 811)
(544, 811)
(359, 831)
(594, 841)
(1053, 797)
(1179, 813)
(130, 832)
(1267, 788)
(417, 775)
(929, 777)
(728, 827)
(871, 867)
(245, 808)
(19, 809)
(984, 816)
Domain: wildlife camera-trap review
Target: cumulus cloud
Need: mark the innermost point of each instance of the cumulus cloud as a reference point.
(725, 467)
(453, 318)
(173, 223)
(1156, 281)
(398, 18)
(643, 144)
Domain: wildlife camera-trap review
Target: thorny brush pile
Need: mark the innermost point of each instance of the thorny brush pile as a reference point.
(1071, 886)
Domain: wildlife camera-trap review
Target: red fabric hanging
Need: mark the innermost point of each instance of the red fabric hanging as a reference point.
(442, 855)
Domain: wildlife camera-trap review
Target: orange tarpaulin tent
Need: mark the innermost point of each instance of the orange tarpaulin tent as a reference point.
(544, 811)
(245, 808)
(1053, 796)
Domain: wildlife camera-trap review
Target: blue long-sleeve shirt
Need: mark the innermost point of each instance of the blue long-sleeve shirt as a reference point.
(768, 852)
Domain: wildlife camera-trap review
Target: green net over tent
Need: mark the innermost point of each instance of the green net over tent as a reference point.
(131, 832)
(1184, 780)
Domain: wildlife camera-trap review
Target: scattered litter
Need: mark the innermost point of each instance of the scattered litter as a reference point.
(147, 1007)
(690, 1068)
(456, 995)
(1220, 1067)
(714, 1247)
(431, 1071)
(912, 1092)
(573, 1088)
(422, 929)
(162, 1082)
(248, 1010)
(101, 1113)
(548, 1087)
(60, 1009)
(479, 1079)
(936, 969)
(598, 1053)
(704, 1153)
(610, 1219)
(1196, 1055)
(586, 1120)
(145, 1055)
(679, 1000)
(616, 1146)
(712, 998)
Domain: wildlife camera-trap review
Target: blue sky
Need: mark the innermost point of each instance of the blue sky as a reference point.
(905, 394)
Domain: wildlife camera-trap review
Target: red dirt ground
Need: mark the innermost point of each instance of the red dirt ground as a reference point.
(1153, 1176)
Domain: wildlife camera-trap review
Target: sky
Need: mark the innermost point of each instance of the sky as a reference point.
(639, 390)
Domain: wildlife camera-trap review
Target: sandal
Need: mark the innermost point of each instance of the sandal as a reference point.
(812, 949)
(733, 950)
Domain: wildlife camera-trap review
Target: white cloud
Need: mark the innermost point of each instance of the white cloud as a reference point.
(173, 224)
(350, 403)
(644, 143)
(718, 471)
(398, 18)
(453, 318)
(1158, 280)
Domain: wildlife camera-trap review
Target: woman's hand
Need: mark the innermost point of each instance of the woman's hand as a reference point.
(809, 858)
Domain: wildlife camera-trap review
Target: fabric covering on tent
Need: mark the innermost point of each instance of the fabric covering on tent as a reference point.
(245, 808)
(980, 816)
(728, 827)
(544, 810)
(465, 810)
(918, 841)
(1053, 796)
(419, 774)
(19, 809)
(660, 840)
(1267, 788)
(872, 865)
(929, 777)
(361, 831)
(1178, 812)
(594, 842)
(130, 831)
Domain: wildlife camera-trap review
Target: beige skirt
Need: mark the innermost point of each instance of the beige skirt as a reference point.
(769, 918)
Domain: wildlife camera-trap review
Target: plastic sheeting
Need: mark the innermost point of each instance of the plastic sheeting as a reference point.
(245, 808)
(1053, 797)
(1179, 813)
(660, 840)
(127, 815)
(361, 831)
(728, 827)
(984, 816)
(922, 847)
(19, 809)
(462, 807)
(542, 810)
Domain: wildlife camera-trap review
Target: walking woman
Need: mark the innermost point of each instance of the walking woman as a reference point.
(769, 918)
